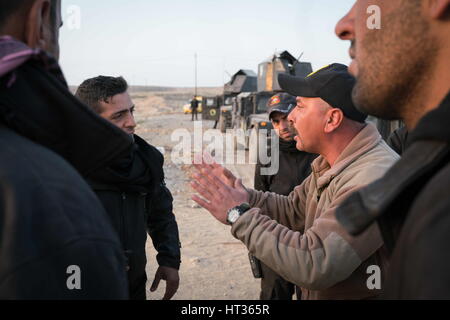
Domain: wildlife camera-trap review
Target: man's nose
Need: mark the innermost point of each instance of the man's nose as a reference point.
(284, 125)
(291, 117)
(345, 28)
(131, 123)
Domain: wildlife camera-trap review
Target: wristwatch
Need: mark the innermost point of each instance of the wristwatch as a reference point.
(235, 213)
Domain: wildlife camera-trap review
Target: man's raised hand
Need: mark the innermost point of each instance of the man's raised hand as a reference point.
(219, 189)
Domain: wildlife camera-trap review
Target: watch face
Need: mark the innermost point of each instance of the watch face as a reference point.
(233, 216)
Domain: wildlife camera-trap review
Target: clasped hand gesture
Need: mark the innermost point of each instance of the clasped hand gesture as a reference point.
(219, 189)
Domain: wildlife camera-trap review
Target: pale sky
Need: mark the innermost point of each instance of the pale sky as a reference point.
(153, 42)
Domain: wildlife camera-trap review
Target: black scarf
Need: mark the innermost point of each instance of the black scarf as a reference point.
(140, 172)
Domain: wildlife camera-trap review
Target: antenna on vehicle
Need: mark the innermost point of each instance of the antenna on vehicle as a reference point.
(298, 60)
(196, 67)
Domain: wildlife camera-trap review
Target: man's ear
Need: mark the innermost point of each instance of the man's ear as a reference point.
(334, 119)
(38, 21)
(437, 9)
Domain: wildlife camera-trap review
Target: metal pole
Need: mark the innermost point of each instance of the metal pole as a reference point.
(195, 74)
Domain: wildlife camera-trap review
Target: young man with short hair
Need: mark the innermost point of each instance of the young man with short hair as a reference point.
(134, 192)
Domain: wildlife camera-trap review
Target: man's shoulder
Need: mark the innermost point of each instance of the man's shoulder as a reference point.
(51, 205)
(370, 166)
(428, 219)
(26, 158)
(379, 155)
(45, 184)
(434, 195)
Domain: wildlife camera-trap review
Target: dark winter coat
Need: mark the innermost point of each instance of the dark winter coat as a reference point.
(194, 104)
(411, 204)
(51, 220)
(137, 209)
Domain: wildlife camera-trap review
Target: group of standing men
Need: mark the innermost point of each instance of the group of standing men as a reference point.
(71, 170)
(363, 209)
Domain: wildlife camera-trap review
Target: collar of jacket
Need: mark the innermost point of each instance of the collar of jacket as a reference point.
(14, 53)
(428, 148)
(363, 142)
(434, 125)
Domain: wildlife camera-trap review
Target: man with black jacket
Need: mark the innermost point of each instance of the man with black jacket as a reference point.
(55, 238)
(194, 108)
(411, 202)
(294, 167)
(134, 193)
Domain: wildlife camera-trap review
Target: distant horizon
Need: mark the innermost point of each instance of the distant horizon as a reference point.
(157, 86)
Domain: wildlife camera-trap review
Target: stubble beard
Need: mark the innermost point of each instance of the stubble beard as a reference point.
(398, 59)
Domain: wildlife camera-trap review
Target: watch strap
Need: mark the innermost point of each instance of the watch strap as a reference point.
(243, 208)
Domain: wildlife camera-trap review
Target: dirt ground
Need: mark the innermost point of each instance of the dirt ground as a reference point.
(214, 264)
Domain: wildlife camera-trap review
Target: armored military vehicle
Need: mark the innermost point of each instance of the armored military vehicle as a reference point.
(280, 62)
(242, 81)
(211, 106)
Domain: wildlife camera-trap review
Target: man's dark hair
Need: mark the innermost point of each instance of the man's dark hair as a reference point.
(10, 7)
(101, 88)
(53, 14)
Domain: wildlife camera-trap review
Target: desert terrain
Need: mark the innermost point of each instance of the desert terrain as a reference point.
(214, 264)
